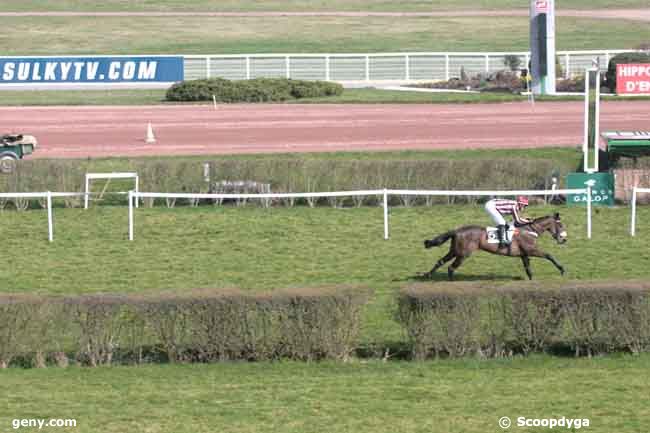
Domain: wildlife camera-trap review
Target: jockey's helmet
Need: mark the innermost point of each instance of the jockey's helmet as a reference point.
(523, 201)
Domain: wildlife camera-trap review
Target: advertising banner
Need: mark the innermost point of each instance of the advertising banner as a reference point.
(122, 69)
(633, 79)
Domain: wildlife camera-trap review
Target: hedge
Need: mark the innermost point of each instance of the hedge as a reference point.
(294, 175)
(255, 90)
(202, 326)
(588, 318)
(632, 57)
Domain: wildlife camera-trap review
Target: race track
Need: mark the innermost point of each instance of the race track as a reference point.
(76, 132)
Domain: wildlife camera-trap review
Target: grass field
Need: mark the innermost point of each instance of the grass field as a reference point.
(434, 397)
(262, 249)
(295, 5)
(189, 35)
(157, 97)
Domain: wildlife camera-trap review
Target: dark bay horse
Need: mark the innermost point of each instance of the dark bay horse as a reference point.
(465, 240)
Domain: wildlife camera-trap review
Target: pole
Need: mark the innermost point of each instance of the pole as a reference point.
(588, 211)
(130, 215)
(86, 195)
(50, 222)
(385, 214)
(633, 223)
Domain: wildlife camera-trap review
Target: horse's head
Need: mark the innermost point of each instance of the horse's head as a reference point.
(557, 229)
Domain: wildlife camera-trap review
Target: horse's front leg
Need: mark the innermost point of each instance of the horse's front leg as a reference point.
(526, 261)
(555, 262)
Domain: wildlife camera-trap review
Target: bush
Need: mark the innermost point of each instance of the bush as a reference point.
(255, 90)
(634, 57)
(202, 326)
(588, 318)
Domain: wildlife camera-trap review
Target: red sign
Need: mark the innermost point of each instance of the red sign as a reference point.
(541, 6)
(633, 79)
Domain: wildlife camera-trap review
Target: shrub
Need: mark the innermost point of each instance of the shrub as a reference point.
(633, 57)
(589, 318)
(255, 90)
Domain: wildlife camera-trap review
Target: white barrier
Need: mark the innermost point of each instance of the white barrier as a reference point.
(635, 191)
(46, 195)
(91, 176)
(133, 195)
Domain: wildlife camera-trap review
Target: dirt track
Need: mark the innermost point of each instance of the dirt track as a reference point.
(73, 132)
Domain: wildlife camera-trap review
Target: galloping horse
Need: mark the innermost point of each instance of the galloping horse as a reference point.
(465, 240)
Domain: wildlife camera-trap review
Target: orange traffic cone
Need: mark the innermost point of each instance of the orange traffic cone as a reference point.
(150, 137)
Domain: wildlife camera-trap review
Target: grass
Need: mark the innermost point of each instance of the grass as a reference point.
(264, 249)
(439, 397)
(190, 35)
(296, 5)
(349, 96)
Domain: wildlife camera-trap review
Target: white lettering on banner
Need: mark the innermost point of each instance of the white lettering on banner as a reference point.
(78, 66)
(35, 73)
(129, 71)
(23, 71)
(634, 71)
(147, 70)
(65, 70)
(9, 71)
(50, 71)
(114, 71)
(91, 70)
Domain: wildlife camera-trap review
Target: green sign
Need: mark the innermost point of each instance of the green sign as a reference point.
(602, 190)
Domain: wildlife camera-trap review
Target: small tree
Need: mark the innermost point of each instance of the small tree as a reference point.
(512, 61)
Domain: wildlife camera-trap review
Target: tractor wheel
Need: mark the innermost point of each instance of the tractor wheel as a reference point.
(7, 163)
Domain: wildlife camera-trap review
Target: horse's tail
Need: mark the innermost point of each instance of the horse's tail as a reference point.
(439, 240)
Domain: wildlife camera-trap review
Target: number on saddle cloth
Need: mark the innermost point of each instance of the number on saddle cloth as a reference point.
(493, 234)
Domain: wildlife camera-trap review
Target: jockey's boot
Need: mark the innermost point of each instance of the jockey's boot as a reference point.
(501, 233)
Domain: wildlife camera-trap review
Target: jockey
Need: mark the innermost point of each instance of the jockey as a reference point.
(498, 207)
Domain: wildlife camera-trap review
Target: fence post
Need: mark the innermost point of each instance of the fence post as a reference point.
(87, 192)
(50, 222)
(367, 68)
(130, 215)
(633, 223)
(407, 65)
(208, 73)
(137, 190)
(588, 211)
(248, 67)
(385, 214)
(487, 63)
(287, 65)
(327, 68)
(567, 66)
(446, 67)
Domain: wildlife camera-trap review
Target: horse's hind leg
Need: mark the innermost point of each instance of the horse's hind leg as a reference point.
(526, 262)
(450, 255)
(452, 268)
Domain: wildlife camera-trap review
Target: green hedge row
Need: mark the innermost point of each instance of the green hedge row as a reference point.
(203, 326)
(476, 319)
(623, 58)
(256, 90)
(296, 175)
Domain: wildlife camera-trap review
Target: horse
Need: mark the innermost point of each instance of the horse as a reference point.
(467, 239)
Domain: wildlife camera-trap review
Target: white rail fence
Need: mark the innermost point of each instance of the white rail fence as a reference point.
(414, 66)
(385, 193)
(109, 176)
(636, 191)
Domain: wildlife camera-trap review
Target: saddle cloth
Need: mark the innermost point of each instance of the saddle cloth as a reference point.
(493, 235)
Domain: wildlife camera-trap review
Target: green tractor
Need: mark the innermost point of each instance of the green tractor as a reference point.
(14, 147)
